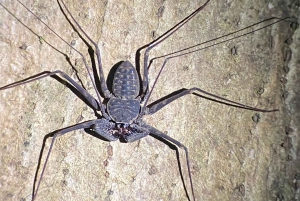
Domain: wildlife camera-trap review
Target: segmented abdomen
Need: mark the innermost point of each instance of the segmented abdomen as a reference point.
(126, 83)
(123, 111)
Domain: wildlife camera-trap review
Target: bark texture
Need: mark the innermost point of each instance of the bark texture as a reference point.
(234, 154)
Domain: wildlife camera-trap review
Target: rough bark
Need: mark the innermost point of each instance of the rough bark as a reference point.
(235, 154)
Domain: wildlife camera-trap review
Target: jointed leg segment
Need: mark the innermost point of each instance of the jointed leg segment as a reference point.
(157, 106)
(89, 98)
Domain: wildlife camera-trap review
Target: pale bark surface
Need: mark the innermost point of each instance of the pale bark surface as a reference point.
(228, 150)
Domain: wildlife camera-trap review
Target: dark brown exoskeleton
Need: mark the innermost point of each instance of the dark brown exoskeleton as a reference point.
(122, 112)
(123, 107)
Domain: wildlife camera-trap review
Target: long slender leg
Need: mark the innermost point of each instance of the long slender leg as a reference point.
(160, 134)
(104, 88)
(196, 48)
(186, 51)
(200, 90)
(89, 98)
(61, 132)
(157, 106)
(161, 39)
(151, 45)
(104, 129)
(102, 108)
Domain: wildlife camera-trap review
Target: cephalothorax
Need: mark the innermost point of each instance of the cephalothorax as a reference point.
(124, 106)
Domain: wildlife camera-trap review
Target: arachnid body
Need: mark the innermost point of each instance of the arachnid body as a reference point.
(79, 167)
